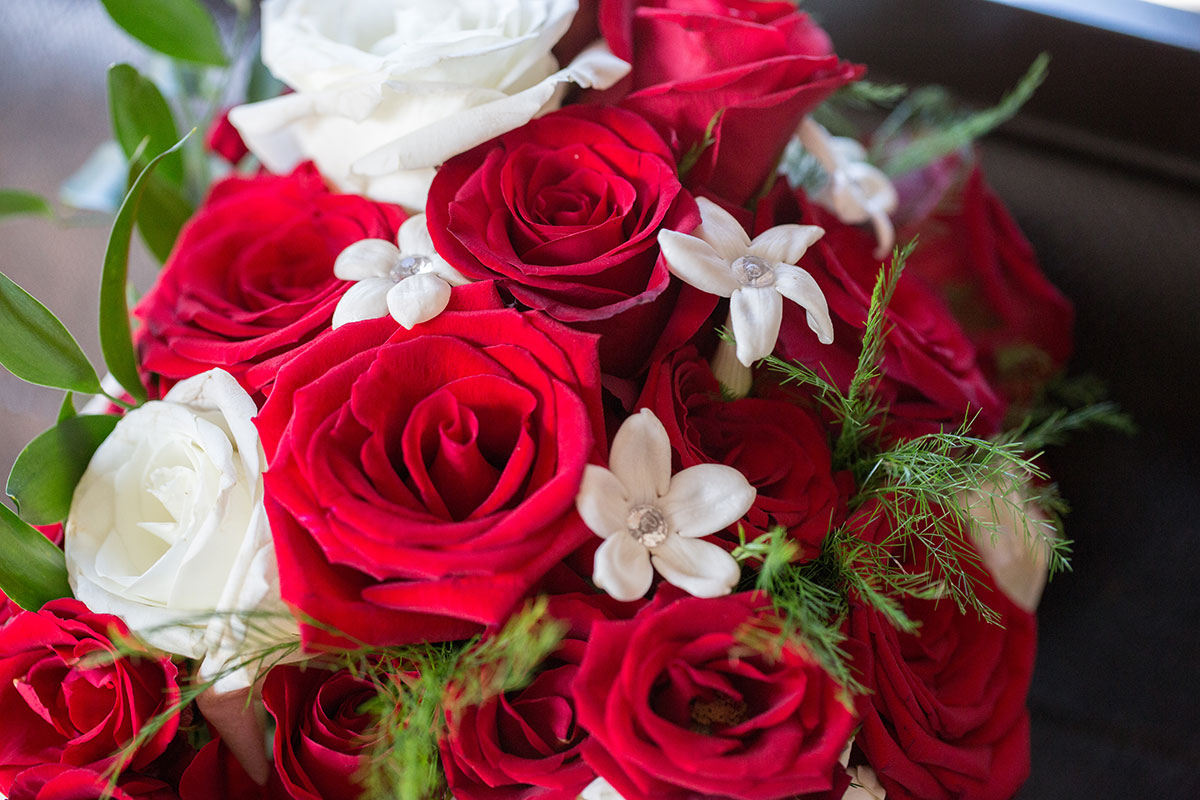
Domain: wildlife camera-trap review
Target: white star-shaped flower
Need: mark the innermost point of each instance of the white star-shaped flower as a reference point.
(647, 516)
(856, 192)
(719, 258)
(408, 279)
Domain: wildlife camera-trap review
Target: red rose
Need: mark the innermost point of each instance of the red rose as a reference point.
(563, 213)
(526, 744)
(778, 446)
(755, 67)
(224, 140)
(973, 254)
(63, 702)
(64, 782)
(946, 715)
(678, 706)
(421, 481)
(215, 772)
(320, 729)
(251, 277)
(931, 377)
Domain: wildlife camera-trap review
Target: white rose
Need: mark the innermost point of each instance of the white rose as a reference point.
(167, 526)
(386, 90)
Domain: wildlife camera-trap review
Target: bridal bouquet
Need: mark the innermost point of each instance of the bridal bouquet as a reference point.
(538, 399)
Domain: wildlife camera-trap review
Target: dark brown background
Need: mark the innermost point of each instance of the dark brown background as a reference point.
(1115, 703)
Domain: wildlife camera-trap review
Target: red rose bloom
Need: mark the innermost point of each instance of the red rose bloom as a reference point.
(931, 377)
(755, 67)
(778, 446)
(976, 258)
(251, 277)
(946, 715)
(678, 707)
(63, 782)
(62, 702)
(320, 729)
(215, 772)
(422, 481)
(526, 744)
(563, 213)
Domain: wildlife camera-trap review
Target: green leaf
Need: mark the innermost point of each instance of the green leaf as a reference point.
(182, 29)
(18, 201)
(162, 212)
(138, 111)
(44, 476)
(33, 571)
(67, 409)
(115, 339)
(36, 347)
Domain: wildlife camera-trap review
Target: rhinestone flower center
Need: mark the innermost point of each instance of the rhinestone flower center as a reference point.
(647, 525)
(407, 266)
(753, 271)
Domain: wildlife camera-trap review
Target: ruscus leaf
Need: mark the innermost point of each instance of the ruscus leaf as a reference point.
(19, 201)
(44, 476)
(36, 347)
(33, 571)
(182, 29)
(138, 110)
(115, 338)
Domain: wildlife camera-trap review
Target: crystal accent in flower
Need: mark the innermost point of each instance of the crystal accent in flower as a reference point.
(653, 520)
(408, 279)
(719, 258)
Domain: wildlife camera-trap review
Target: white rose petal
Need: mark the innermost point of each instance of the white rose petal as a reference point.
(386, 90)
(167, 526)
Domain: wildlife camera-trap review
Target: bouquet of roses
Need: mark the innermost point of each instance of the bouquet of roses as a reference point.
(543, 402)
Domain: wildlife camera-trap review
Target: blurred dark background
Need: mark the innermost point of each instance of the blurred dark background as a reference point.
(1103, 173)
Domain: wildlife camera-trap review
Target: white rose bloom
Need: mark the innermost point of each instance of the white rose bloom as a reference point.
(386, 90)
(167, 526)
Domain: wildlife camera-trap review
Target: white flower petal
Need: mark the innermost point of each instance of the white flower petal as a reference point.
(602, 501)
(785, 244)
(705, 499)
(449, 274)
(755, 315)
(721, 230)
(641, 457)
(885, 232)
(369, 258)
(366, 299)
(413, 237)
(698, 567)
(622, 568)
(418, 298)
(599, 789)
(695, 262)
(801, 288)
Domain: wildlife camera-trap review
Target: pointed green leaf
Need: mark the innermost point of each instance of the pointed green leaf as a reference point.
(33, 571)
(18, 201)
(67, 409)
(44, 476)
(36, 347)
(115, 339)
(182, 29)
(138, 110)
(161, 214)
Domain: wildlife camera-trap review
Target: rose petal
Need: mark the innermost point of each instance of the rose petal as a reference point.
(695, 262)
(756, 315)
(602, 501)
(724, 233)
(798, 286)
(368, 258)
(641, 457)
(698, 567)
(366, 299)
(418, 298)
(785, 244)
(622, 568)
(706, 498)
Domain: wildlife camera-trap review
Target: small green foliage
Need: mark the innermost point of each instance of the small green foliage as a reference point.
(14, 202)
(867, 94)
(692, 156)
(930, 129)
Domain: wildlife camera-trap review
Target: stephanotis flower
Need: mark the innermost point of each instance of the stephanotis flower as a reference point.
(408, 279)
(647, 516)
(719, 258)
(856, 192)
